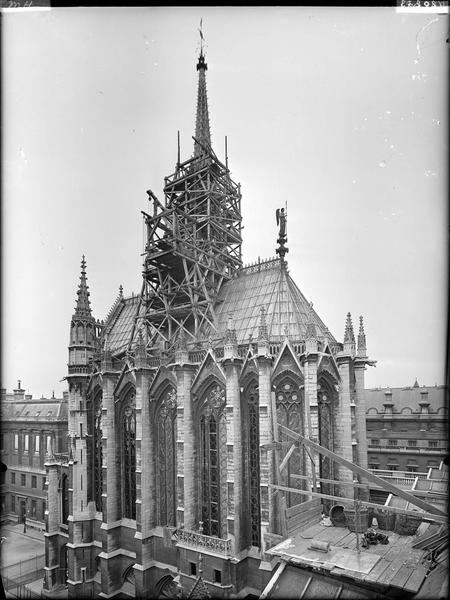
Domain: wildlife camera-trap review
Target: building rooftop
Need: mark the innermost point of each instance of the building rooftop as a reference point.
(394, 565)
(20, 406)
(407, 399)
(120, 323)
(267, 284)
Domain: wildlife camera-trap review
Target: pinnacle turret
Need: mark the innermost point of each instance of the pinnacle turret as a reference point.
(311, 343)
(362, 348)
(349, 336)
(83, 308)
(202, 129)
(311, 332)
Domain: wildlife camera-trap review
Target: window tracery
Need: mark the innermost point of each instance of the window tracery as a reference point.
(252, 402)
(128, 431)
(166, 458)
(213, 463)
(325, 407)
(98, 452)
(64, 499)
(290, 411)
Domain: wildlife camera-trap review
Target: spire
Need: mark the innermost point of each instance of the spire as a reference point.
(82, 308)
(349, 336)
(310, 325)
(362, 348)
(311, 342)
(202, 130)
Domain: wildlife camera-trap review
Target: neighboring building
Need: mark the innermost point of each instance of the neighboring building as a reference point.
(173, 399)
(407, 428)
(31, 428)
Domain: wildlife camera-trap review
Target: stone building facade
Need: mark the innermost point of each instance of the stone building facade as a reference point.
(407, 428)
(176, 398)
(31, 429)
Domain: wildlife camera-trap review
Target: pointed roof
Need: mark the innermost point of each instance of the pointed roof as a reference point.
(202, 129)
(268, 285)
(362, 347)
(349, 335)
(83, 308)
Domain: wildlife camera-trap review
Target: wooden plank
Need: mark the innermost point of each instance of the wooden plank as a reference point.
(285, 460)
(365, 473)
(303, 506)
(402, 511)
(388, 575)
(377, 570)
(402, 576)
(331, 534)
(415, 580)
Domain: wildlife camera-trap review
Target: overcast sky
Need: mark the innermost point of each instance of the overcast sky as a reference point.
(341, 112)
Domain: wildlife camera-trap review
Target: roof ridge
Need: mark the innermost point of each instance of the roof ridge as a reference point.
(255, 266)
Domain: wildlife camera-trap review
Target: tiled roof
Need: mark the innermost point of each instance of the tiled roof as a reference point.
(32, 410)
(407, 398)
(267, 285)
(120, 323)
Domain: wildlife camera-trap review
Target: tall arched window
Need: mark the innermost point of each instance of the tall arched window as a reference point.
(128, 430)
(325, 405)
(166, 416)
(213, 463)
(252, 404)
(290, 407)
(97, 452)
(64, 499)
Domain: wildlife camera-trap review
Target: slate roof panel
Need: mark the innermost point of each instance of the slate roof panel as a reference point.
(266, 285)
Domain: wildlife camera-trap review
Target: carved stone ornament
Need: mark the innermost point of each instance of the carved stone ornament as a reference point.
(169, 404)
(216, 401)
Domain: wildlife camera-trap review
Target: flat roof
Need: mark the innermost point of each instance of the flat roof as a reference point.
(396, 564)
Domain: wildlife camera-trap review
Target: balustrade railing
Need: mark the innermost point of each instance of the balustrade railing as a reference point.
(198, 540)
(400, 475)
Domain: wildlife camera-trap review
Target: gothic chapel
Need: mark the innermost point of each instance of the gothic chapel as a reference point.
(175, 399)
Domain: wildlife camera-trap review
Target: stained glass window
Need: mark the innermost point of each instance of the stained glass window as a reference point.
(213, 463)
(98, 452)
(325, 405)
(252, 402)
(128, 431)
(290, 406)
(166, 457)
(64, 499)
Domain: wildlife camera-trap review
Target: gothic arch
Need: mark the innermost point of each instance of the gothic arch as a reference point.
(250, 405)
(64, 498)
(164, 420)
(166, 588)
(326, 401)
(94, 407)
(212, 444)
(126, 430)
(128, 574)
(290, 412)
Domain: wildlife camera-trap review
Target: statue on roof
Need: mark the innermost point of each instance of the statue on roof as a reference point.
(281, 214)
(281, 221)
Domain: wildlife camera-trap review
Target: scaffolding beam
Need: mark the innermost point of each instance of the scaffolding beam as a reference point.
(390, 487)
